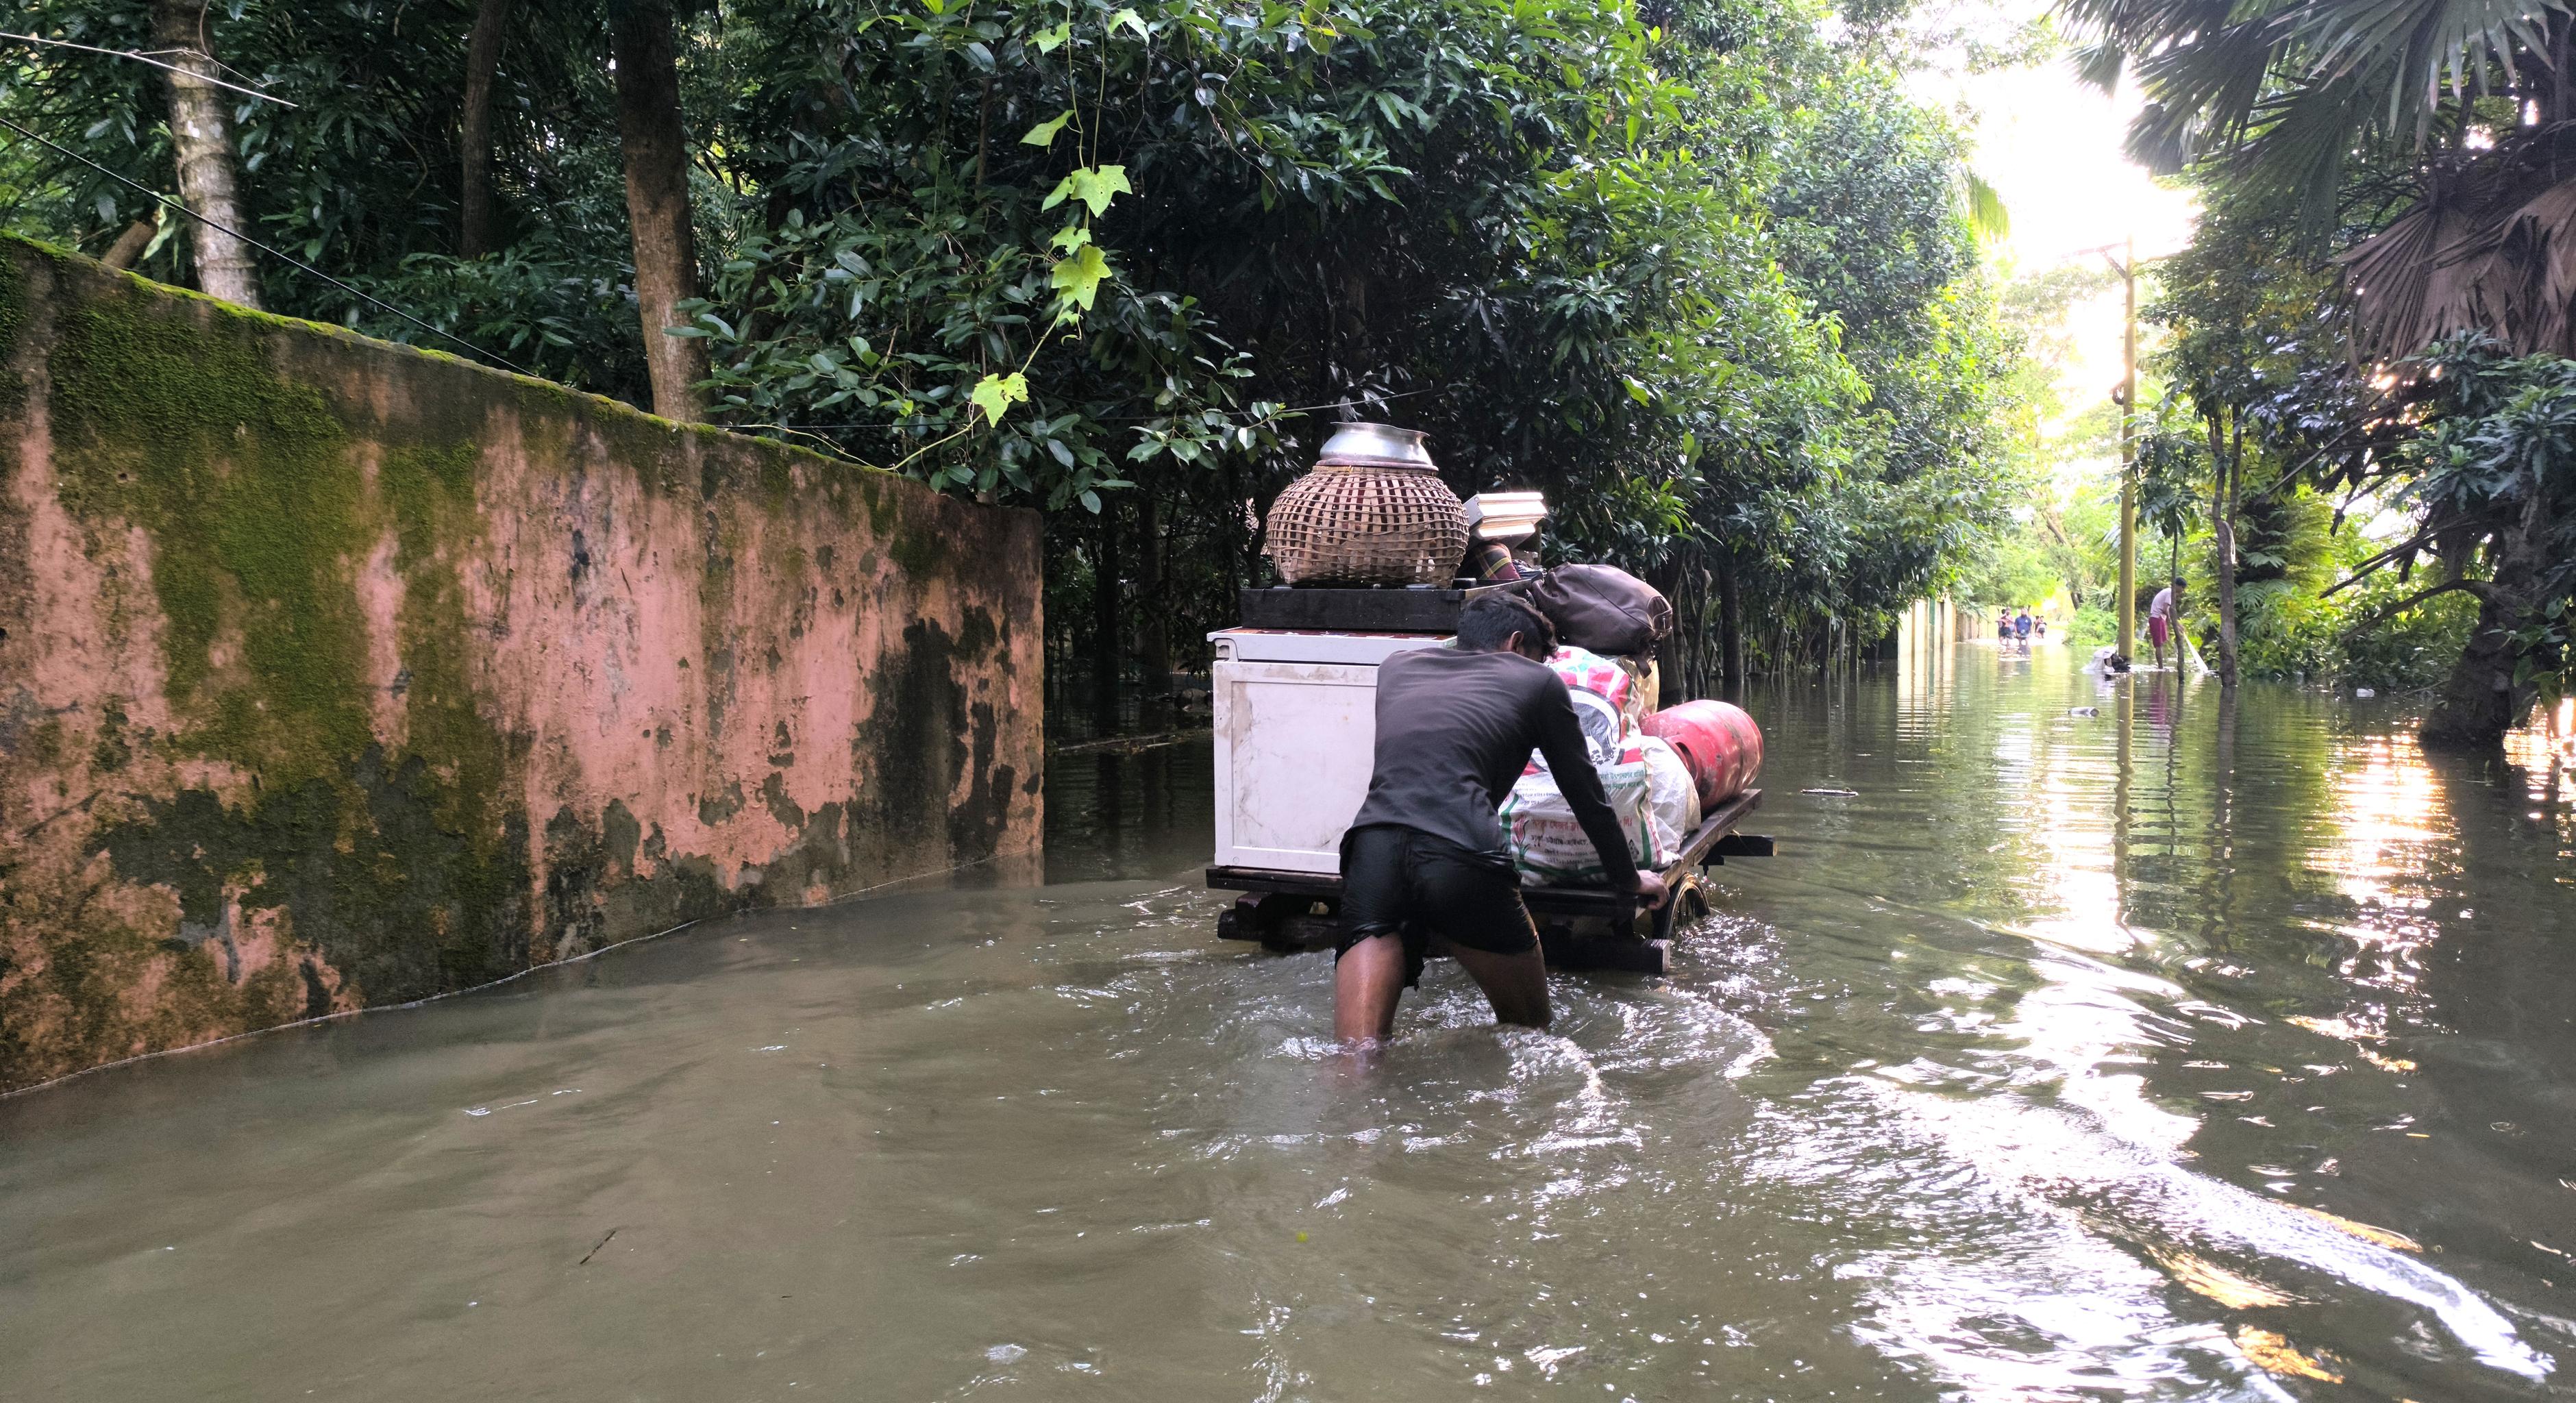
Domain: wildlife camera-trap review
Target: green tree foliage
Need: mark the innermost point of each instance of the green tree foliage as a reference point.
(2256, 345)
(2476, 449)
(2050, 462)
(1836, 529)
(2347, 478)
(360, 176)
(2015, 570)
(1704, 278)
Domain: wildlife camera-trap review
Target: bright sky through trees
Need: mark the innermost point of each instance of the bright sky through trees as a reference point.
(2050, 144)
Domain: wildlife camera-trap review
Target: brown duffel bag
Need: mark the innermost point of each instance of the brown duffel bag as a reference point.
(1603, 608)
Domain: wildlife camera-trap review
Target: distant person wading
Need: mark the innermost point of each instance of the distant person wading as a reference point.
(2161, 617)
(1424, 867)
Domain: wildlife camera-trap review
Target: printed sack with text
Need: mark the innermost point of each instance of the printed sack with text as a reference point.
(1552, 850)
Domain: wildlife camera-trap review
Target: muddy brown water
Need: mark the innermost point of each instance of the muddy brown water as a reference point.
(2190, 1050)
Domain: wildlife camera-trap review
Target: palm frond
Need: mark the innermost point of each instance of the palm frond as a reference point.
(1984, 207)
(2100, 65)
(2490, 246)
(2409, 283)
(2266, 83)
(2525, 263)
(2307, 144)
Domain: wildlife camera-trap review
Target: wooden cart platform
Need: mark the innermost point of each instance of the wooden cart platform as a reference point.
(1580, 927)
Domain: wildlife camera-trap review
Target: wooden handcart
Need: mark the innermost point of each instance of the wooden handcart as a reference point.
(1579, 927)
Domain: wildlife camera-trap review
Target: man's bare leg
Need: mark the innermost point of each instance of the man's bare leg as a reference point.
(1516, 985)
(1368, 980)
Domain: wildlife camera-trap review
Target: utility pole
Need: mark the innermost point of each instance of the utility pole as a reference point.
(2128, 270)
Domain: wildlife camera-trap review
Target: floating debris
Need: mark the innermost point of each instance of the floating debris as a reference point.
(2083, 711)
(1832, 793)
(2365, 693)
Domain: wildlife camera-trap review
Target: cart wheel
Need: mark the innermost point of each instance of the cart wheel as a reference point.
(1689, 903)
(1240, 921)
(1281, 923)
(1254, 917)
(1292, 925)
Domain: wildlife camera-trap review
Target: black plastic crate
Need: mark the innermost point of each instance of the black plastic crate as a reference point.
(1418, 609)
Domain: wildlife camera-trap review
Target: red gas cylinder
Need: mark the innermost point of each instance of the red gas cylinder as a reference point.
(1719, 742)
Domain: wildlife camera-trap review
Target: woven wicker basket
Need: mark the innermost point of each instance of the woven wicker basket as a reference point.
(1368, 523)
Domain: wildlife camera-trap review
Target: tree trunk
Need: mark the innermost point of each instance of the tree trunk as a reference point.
(2224, 530)
(1673, 654)
(984, 139)
(482, 65)
(2558, 28)
(129, 246)
(2222, 525)
(2481, 700)
(1730, 628)
(656, 153)
(1153, 603)
(202, 134)
(1104, 623)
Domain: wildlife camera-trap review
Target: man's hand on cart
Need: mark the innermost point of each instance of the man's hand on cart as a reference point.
(1652, 891)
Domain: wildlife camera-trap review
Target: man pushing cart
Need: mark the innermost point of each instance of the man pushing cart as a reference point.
(1425, 859)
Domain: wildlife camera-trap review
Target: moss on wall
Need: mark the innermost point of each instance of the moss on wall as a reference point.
(932, 734)
(13, 326)
(430, 492)
(13, 303)
(252, 497)
(398, 907)
(75, 1008)
(402, 873)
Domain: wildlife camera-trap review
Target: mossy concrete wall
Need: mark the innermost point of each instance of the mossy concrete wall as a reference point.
(337, 673)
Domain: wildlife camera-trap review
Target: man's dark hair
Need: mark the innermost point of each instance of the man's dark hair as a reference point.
(2178, 582)
(1489, 621)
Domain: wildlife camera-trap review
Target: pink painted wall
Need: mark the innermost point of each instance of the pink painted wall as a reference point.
(336, 673)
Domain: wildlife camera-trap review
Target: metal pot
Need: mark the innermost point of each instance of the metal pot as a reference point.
(1377, 446)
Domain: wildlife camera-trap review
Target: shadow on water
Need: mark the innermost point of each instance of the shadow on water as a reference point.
(2192, 1049)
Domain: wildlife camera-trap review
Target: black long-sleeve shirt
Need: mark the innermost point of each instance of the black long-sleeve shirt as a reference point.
(1456, 728)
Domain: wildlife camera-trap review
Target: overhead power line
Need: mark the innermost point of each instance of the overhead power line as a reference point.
(286, 258)
(145, 58)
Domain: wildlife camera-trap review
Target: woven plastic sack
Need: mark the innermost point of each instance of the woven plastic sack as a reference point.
(1605, 733)
(1588, 671)
(1552, 850)
(1604, 729)
(1650, 683)
(1672, 791)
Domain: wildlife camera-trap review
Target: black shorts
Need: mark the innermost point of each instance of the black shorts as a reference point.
(1403, 881)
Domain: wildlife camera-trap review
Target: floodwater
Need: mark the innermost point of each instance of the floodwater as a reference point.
(2190, 1050)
